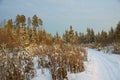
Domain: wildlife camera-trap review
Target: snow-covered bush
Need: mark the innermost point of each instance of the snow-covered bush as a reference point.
(59, 59)
(117, 48)
(16, 66)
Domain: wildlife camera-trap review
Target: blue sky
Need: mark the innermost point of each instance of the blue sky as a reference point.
(58, 15)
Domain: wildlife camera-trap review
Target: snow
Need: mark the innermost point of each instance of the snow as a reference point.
(100, 66)
(40, 76)
(39, 72)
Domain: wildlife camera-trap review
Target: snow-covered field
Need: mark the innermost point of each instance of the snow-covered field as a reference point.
(100, 66)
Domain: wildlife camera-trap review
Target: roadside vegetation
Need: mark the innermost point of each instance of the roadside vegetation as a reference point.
(24, 39)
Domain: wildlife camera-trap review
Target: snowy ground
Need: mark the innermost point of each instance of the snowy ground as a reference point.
(39, 72)
(100, 66)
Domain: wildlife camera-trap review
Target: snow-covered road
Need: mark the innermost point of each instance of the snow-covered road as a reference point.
(100, 66)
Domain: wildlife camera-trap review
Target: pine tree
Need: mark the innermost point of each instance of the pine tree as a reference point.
(117, 32)
(65, 37)
(8, 27)
(92, 36)
(103, 37)
(71, 35)
(22, 20)
(111, 35)
(117, 39)
(76, 38)
(40, 23)
(17, 21)
(29, 21)
(10, 23)
(57, 38)
(35, 22)
(81, 38)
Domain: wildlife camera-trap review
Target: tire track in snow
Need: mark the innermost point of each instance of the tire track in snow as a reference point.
(111, 66)
(98, 67)
(105, 68)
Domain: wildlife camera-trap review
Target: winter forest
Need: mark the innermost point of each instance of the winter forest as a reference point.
(25, 46)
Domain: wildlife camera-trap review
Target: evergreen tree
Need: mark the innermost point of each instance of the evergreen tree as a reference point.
(35, 22)
(117, 32)
(17, 21)
(10, 23)
(92, 36)
(117, 39)
(65, 37)
(57, 38)
(40, 23)
(71, 35)
(111, 35)
(29, 21)
(81, 38)
(22, 20)
(88, 35)
(104, 38)
(76, 38)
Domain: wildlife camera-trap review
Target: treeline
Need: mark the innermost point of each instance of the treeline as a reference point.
(24, 31)
(24, 44)
(103, 38)
(93, 40)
